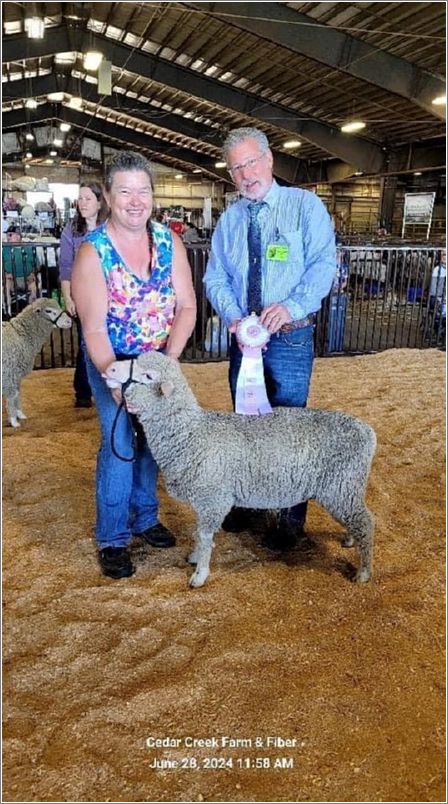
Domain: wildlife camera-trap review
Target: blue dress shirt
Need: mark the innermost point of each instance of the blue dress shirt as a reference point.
(291, 217)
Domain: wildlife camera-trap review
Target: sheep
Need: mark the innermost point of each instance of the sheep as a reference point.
(22, 339)
(217, 460)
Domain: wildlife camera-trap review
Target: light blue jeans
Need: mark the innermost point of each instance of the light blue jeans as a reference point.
(288, 363)
(126, 493)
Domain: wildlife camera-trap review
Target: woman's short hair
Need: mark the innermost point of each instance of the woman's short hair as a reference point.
(79, 223)
(239, 135)
(127, 160)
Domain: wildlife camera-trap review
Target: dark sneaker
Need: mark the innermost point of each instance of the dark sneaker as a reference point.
(115, 562)
(158, 536)
(80, 402)
(237, 520)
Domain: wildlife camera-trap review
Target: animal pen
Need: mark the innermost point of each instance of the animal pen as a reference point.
(384, 302)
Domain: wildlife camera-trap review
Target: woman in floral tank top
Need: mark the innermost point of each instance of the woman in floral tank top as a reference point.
(133, 291)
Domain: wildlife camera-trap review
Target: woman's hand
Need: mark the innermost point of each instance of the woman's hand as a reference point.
(117, 395)
(69, 305)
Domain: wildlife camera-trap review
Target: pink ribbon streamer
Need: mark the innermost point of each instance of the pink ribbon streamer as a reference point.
(251, 397)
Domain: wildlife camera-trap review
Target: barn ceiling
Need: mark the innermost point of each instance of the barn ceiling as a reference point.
(185, 73)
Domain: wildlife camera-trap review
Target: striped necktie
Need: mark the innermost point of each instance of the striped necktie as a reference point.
(254, 299)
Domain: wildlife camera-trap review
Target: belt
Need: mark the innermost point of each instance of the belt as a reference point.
(308, 321)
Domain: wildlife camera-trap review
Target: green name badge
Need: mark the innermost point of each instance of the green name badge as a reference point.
(277, 252)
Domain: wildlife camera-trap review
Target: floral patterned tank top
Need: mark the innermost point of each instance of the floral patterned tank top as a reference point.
(140, 311)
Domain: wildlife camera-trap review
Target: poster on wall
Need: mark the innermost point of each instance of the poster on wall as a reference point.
(418, 209)
(207, 212)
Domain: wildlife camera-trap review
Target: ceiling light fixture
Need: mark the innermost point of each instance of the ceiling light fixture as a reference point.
(292, 144)
(197, 170)
(27, 167)
(440, 100)
(29, 136)
(31, 103)
(75, 103)
(352, 125)
(65, 127)
(58, 142)
(220, 164)
(358, 173)
(53, 153)
(178, 176)
(418, 173)
(57, 97)
(34, 27)
(92, 60)
(48, 161)
(28, 154)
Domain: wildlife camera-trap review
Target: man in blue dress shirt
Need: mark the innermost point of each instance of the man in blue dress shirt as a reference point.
(297, 265)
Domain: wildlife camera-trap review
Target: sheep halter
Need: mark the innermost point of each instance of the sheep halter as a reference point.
(251, 398)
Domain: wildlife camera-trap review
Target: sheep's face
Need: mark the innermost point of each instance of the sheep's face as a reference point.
(142, 384)
(50, 310)
(123, 371)
(141, 397)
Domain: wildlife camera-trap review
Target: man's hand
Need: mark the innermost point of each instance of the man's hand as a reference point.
(274, 316)
(232, 328)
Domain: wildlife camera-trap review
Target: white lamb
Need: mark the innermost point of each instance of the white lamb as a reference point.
(22, 339)
(215, 461)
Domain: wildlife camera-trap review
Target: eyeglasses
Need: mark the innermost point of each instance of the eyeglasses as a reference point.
(249, 163)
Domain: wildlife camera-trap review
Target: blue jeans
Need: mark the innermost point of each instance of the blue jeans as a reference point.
(126, 493)
(288, 363)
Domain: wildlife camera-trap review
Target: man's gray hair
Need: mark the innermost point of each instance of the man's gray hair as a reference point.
(238, 135)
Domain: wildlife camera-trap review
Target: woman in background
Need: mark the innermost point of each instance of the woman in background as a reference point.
(91, 211)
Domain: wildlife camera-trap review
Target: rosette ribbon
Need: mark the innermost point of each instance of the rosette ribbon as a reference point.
(251, 397)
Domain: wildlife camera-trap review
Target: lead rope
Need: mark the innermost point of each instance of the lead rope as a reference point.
(123, 406)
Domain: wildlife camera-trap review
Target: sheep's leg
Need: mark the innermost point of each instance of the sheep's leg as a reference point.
(19, 412)
(12, 409)
(207, 524)
(360, 528)
(201, 556)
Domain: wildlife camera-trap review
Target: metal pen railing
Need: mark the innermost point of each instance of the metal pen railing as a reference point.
(383, 297)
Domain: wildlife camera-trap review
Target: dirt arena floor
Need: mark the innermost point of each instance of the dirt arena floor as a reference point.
(280, 679)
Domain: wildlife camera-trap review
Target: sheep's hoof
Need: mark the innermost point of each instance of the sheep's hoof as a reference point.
(363, 575)
(14, 423)
(21, 415)
(192, 558)
(198, 578)
(348, 541)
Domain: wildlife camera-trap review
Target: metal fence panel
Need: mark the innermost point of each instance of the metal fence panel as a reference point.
(388, 297)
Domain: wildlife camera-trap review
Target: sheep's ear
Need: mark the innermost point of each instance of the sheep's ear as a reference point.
(167, 388)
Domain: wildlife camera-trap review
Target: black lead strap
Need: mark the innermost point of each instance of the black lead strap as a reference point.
(131, 419)
(58, 317)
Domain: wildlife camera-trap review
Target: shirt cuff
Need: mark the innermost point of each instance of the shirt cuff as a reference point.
(295, 310)
(234, 315)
